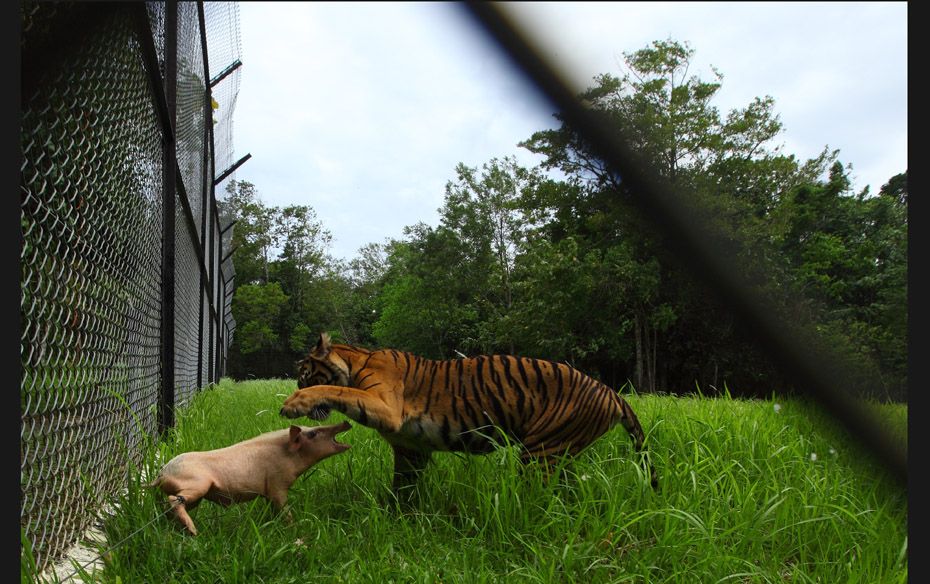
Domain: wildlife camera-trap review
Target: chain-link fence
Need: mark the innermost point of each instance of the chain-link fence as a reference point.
(125, 284)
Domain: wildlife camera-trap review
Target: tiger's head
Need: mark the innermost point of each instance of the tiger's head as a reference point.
(322, 366)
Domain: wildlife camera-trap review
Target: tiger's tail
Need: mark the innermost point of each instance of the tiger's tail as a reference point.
(631, 423)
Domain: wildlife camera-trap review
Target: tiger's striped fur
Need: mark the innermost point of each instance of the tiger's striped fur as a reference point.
(472, 405)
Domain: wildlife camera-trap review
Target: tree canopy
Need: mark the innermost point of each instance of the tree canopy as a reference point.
(555, 262)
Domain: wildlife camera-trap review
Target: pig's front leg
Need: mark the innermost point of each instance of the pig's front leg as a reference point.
(376, 409)
(278, 497)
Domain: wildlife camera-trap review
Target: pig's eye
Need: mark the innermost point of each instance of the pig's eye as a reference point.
(311, 434)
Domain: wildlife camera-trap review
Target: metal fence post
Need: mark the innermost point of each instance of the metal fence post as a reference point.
(166, 397)
(206, 237)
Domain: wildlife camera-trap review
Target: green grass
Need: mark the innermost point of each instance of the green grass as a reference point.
(741, 499)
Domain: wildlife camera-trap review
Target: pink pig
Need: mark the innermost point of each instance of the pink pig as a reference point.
(266, 466)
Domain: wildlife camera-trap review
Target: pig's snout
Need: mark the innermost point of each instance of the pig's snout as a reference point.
(326, 435)
(339, 429)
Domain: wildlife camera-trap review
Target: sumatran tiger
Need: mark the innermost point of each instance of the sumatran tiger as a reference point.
(420, 405)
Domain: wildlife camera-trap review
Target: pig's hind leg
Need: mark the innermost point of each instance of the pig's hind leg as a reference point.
(181, 513)
(184, 500)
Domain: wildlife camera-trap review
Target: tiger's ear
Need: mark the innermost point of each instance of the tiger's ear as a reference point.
(323, 345)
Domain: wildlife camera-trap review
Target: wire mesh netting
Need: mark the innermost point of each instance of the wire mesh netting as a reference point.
(191, 89)
(186, 314)
(92, 195)
(90, 304)
(225, 49)
(156, 14)
(221, 21)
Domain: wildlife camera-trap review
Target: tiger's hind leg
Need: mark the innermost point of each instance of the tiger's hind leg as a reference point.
(549, 465)
(555, 472)
(408, 467)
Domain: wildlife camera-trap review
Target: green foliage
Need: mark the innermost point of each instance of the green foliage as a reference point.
(848, 255)
(285, 291)
(256, 302)
(450, 289)
(259, 306)
(301, 337)
(794, 233)
(252, 233)
(425, 304)
(564, 266)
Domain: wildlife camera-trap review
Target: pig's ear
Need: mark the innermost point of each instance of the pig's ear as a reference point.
(323, 345)
(294, 442)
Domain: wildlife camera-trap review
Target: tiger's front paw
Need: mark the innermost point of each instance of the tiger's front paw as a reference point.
(295, 406)
(300, 404)
(291, 412)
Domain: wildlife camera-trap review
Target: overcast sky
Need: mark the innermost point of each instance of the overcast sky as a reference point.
(363, 110)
